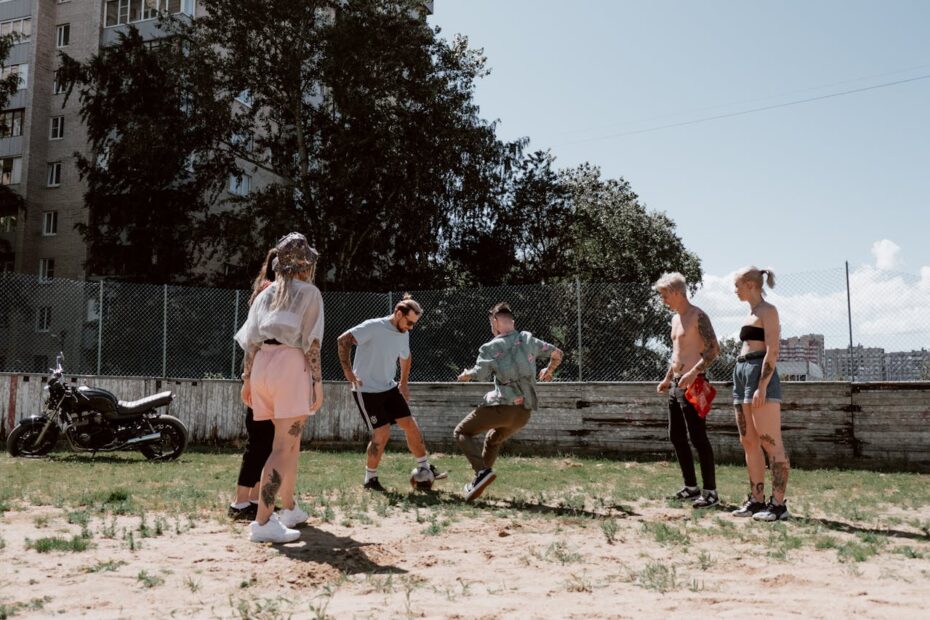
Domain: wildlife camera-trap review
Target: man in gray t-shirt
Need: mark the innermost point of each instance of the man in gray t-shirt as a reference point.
(382, 400)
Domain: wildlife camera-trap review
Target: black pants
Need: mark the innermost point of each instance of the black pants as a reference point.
(684, 422)
(257, 449)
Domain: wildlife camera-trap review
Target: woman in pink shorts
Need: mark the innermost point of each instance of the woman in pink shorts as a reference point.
(283, 378)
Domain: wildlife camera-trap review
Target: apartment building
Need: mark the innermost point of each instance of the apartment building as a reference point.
(806, 348)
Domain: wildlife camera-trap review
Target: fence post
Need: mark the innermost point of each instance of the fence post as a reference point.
(390, 297)
(852, 368)
(164, 337)
(232, 364)
(100, 329)
(578, 311)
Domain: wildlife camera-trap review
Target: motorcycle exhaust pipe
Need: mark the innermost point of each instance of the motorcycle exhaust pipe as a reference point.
(143, 439)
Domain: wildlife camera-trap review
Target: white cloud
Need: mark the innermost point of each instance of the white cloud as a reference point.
(886, 254)
(889, 310)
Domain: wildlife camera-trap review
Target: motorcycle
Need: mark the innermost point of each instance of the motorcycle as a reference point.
(95, 420)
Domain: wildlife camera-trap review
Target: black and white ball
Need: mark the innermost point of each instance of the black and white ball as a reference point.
(421, 478)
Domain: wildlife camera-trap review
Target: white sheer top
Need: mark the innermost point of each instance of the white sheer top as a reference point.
(297, 325)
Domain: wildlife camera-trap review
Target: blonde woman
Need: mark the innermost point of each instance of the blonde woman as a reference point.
(283, 378)
(757, 397)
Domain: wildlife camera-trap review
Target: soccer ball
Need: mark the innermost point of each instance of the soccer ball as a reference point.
(421, 478)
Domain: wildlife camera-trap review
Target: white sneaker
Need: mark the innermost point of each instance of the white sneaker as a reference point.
(272, 531)
(292, 517)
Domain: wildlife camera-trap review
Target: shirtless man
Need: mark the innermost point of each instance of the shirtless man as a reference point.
(694, 348)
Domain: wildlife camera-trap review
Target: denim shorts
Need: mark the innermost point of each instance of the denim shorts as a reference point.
(746, 380)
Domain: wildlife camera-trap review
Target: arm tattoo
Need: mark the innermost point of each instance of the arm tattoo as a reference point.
(270, 488)
(767, 370)
(346, 341)
(296, 428)
(313, 359)
(555, 359)
(779, 477)
(247, 361)
(709, 353)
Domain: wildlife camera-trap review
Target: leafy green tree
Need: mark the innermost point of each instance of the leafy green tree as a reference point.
(156, 162)
(11, 203)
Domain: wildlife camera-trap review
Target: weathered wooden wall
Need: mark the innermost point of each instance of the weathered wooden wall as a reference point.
(824, 424)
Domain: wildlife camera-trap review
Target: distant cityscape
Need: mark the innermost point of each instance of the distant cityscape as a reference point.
(804, 358)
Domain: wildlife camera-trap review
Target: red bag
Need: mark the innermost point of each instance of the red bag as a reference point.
(701, 395)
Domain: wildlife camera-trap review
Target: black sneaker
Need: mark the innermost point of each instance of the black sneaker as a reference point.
(749, 508)
(476, 487)
(686, 493)
(438, 475)
(772, 512)
(374, 485)
(249, 513)
(706, 500)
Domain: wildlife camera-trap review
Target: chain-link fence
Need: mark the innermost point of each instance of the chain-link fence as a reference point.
(609, 332)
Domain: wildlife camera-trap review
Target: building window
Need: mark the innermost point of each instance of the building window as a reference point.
(11, 169)
(11, 123)
(54, 174)
(49, 223)
(7, 223)
(57, 87)
(56, 129)
(46, 269)
(44, 319)
(63, 35)
(21, 70)
(241, 185)
(128, 11)
(20, 28)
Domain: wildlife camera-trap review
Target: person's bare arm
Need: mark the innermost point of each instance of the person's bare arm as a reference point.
(770, 323)
(555, 358)
(345, 343)
(405, 365)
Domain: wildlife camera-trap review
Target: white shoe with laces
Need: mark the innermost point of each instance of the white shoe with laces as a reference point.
(273, 531)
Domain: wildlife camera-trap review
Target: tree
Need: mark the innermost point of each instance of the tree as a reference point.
(156, 162)
(11, 203)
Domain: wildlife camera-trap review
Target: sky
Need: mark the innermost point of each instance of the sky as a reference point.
(634, 87)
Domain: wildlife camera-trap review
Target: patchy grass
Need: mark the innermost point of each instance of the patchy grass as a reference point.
(75, 544)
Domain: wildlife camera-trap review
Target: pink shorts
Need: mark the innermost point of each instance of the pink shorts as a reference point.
(280, 383)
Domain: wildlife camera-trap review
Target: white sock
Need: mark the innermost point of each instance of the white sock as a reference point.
(423, 461)
(240, 505)
(370, 473)
(692, 488)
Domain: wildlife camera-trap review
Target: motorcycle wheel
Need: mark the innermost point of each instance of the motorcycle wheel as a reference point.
(21, 440)
(172, 443)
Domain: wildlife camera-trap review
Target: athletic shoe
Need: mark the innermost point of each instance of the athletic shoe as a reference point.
(243, 514)
(687, 493)
(708, 499)
(438, 475)
(273, 531)
(293, 517)
(374, 485)
(772, 512)
(476, 487)
(749, 508)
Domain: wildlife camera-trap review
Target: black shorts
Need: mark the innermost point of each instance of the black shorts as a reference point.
(381, 408)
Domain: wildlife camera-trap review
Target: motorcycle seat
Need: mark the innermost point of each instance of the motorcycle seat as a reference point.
(144, 404)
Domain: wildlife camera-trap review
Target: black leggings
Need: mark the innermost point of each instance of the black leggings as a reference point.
(257, 449)
(684, 422)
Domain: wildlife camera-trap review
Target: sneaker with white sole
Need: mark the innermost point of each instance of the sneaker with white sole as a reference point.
(706, 500)
(476, 487)
(686, 494)
(272, 531)
(438, 475)
(293, 516)
(773, 512)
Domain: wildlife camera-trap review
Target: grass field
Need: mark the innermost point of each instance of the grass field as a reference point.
(579, 533)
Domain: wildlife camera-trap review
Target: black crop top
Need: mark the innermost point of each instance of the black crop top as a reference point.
(751, 332)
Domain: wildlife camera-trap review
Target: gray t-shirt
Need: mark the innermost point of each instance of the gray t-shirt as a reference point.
(379, 346)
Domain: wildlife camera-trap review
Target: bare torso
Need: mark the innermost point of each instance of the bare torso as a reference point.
(687, 342)
(754, 320)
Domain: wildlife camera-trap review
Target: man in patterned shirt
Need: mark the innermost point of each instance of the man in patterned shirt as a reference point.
(510, 357)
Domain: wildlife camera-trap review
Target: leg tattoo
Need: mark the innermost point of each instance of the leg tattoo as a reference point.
(740, 421)
(779, 477)
(757, 489)
(270, 489)
(767, 440)
(296, 429)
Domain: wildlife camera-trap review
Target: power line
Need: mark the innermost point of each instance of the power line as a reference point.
(750, 111)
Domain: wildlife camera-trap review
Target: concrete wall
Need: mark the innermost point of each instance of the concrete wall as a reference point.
(881, 425)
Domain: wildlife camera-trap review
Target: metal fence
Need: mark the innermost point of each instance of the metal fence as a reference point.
(875, 328)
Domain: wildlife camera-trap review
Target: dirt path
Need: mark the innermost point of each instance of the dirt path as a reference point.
(500, 566)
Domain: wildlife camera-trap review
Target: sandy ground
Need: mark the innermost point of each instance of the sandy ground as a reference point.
(518, 565)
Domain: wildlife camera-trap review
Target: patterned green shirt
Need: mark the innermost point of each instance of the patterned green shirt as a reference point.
(511, 360)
